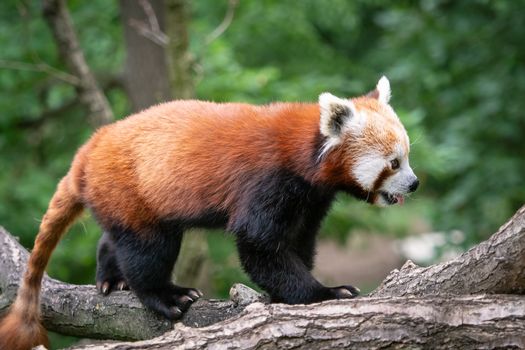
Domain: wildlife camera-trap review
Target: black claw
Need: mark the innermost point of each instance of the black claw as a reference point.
(170, 300)
(105, 288)
(176, 313)
(122, 285)
(195, 294)
(345, 292)
(183, 302)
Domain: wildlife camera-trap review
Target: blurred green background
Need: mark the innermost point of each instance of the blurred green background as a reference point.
(457, 71)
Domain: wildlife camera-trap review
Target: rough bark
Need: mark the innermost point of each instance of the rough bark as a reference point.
(473, 322)
(394, 320)
(81, 311)
(494, 266)
(57, 17)
(146, 74)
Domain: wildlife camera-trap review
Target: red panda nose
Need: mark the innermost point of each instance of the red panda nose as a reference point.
(414, 185)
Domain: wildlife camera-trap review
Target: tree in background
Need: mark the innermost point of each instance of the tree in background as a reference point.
(146, 70)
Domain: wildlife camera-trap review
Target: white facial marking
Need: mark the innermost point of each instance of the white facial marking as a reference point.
(399, 183)
(367, 169)
(383, 87)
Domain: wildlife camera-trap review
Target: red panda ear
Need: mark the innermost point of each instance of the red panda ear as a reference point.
(382, 91)
(336, 114)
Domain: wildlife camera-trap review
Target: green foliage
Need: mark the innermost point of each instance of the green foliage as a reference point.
(456, 68)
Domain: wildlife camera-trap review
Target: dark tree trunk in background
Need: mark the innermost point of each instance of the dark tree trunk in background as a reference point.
(146, 73)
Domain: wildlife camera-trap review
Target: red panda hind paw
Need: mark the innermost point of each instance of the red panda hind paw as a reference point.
(122, 285)
(183, 302)
(194, 293)
(170, 300)
(184, 297)
(106, 287)
(345, 292)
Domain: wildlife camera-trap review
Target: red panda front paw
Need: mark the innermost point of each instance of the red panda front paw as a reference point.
(345, 292)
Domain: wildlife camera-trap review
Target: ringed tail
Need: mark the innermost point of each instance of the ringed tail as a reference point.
(22, 329)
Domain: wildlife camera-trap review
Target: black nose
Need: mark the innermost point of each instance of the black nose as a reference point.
(414, 185)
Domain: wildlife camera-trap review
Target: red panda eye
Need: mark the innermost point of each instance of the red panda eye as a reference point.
(394, 164)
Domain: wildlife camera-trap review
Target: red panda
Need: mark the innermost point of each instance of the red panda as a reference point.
(267, 174)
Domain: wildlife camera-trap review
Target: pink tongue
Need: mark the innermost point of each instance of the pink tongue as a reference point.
(400, 199)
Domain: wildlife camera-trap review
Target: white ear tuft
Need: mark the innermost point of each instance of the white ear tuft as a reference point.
(383, 89)
(335, 114)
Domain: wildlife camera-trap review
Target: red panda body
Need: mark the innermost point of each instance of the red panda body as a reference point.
(268, 174)
(184, 159)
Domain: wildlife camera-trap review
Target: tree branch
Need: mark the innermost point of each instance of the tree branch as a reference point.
(107, 81)
(226, 22)
(59, 21)
(41, 67)
(494, 266)
(473, 322)
(81, 311)
(151, 31)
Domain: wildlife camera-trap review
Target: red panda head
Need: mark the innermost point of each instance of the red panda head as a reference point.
(371, 145)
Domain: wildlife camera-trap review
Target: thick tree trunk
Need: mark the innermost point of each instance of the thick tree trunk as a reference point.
(57, 17)
(412, 312)
(146, 75)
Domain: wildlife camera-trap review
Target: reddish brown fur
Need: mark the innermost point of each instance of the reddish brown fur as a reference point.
(21, 328)
(197, 151)
(176, 160)
(20, 333)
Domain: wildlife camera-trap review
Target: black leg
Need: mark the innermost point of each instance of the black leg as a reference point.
(109, 277)
(281, 273)
(147, 263)
(275, 223)
(304, 247)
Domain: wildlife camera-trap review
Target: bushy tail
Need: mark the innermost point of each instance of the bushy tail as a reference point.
(22, 329)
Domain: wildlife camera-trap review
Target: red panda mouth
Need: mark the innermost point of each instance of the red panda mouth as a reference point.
(392, 198)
